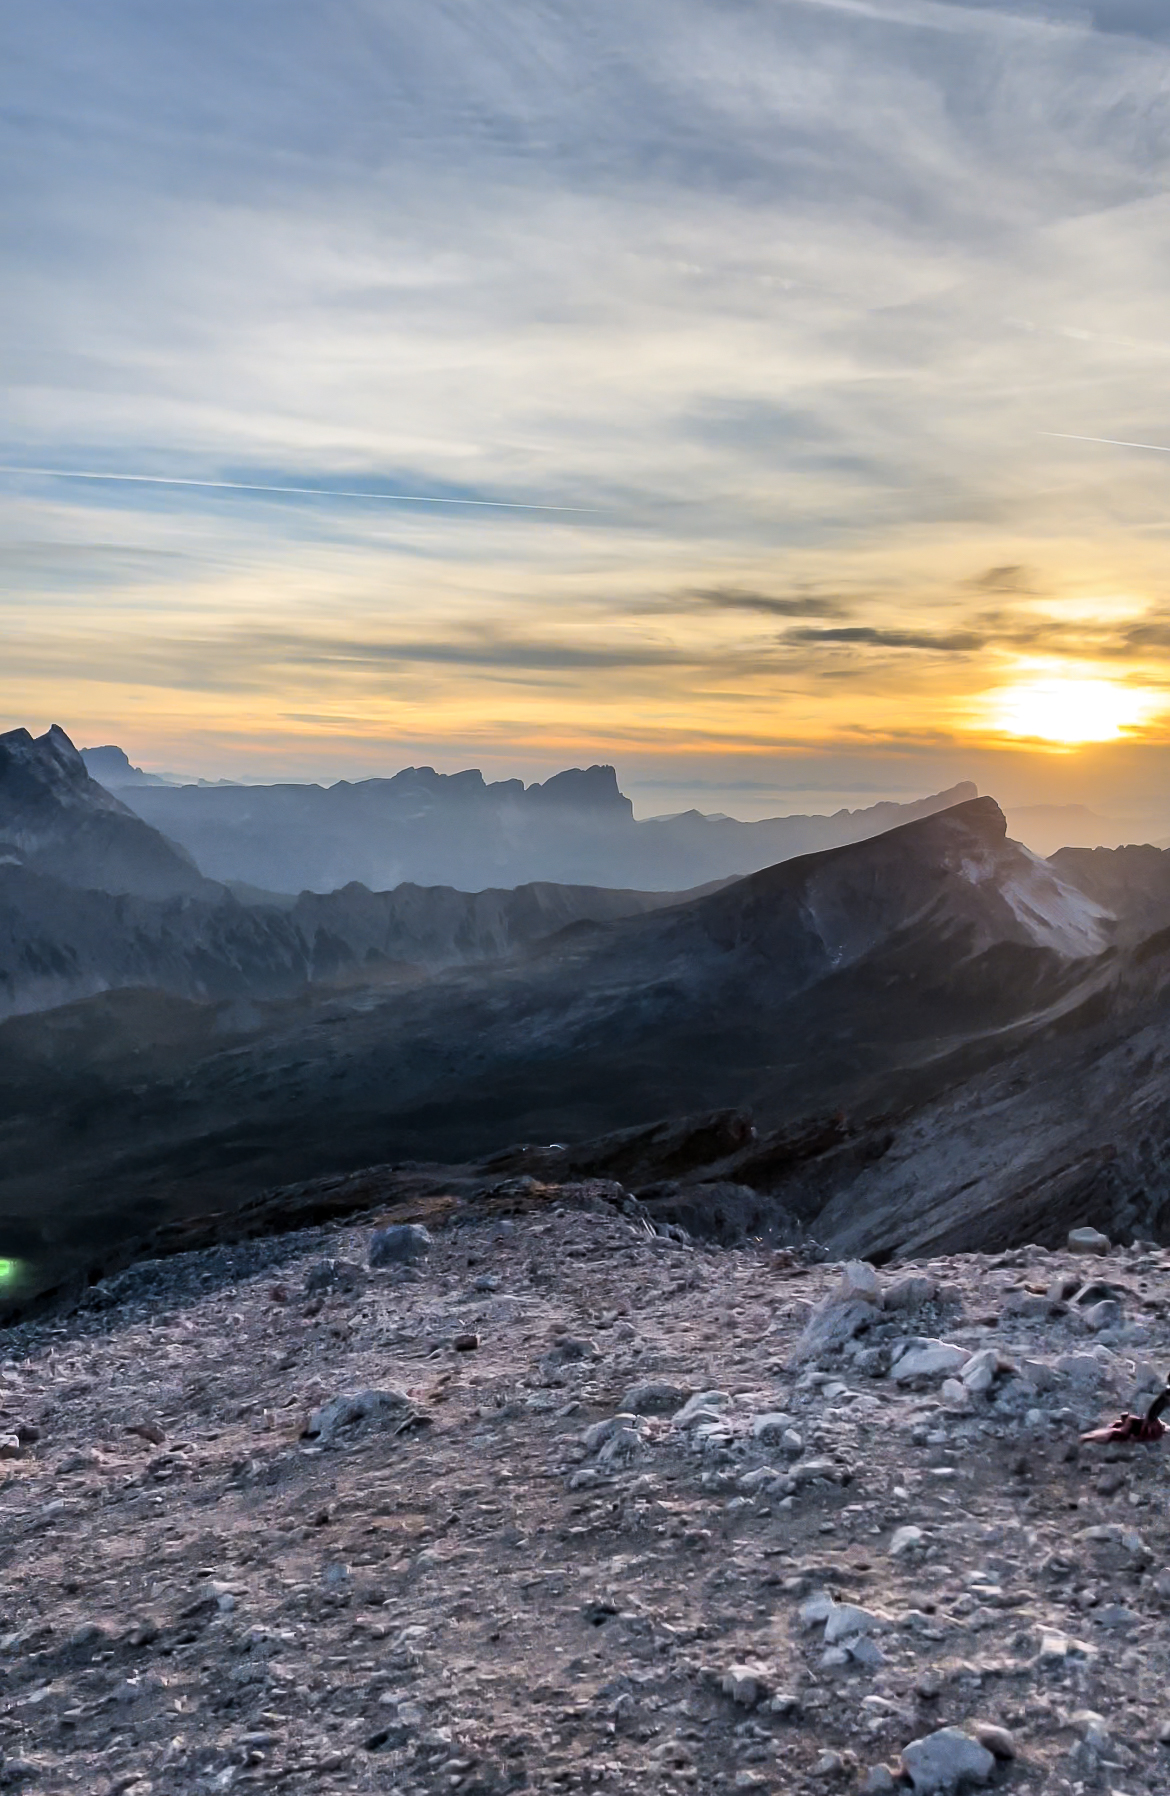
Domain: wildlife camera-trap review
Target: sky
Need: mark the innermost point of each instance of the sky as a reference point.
(757, 340)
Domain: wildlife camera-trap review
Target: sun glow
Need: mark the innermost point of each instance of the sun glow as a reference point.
(1069, 711)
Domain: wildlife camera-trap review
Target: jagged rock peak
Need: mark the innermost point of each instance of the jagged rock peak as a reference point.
(40, 770)
(584, 788)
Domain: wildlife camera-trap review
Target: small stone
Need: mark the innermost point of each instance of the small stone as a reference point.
(1164, 1732)
(391, 1408)
(878, 1781)
(9, 1446)
(595, 1436)
(980, 1371)
(816, 1610)
(334, 1275)
(997, 1740)
(746, 1684)
(808, 1469)
(1087, 1240)
(859, 1279)
(845, 1620)
(911, 1292)
(929, 1359)
(1106, 1314)
(906, 1539)
(945, 1760)
(1053, 1647)
(1093, 1729)
(147, 1431)
(693, 1408)
(656, 1397)
(465, 1343)
(771, 1426)
(830, 1764)
(623, 1445)
(400, 1244)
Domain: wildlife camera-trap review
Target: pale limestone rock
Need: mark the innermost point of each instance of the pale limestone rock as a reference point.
(1088, 1240)
(946, 1760)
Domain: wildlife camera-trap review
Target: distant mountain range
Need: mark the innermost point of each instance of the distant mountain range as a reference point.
(429, 828)
(93, 899)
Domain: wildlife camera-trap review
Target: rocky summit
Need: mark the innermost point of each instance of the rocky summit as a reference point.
(530, 1496)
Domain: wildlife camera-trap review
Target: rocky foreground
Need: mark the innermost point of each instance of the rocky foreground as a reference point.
(553, 1502)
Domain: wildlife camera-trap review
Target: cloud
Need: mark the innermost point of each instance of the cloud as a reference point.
(957, 642)
(1136, 18)
(735, 598)
(1011, 578)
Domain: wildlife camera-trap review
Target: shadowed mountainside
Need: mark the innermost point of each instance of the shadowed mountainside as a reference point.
(865, 978)
(57, 822)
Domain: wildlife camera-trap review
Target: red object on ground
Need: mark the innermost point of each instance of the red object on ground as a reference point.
(1128, 1428)
(1135, 1428)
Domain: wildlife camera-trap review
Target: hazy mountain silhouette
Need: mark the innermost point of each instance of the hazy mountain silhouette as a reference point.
(112, 767)
(94, 899)
(456, 829)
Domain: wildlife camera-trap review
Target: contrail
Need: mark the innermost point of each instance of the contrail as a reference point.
(1114, 442)
(316, 492)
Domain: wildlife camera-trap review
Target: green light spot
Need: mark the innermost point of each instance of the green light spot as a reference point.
(9, 1272)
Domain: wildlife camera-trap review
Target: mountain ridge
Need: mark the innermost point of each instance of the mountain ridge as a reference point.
(427, 828)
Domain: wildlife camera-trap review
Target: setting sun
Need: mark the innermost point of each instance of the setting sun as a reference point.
(1069, 711)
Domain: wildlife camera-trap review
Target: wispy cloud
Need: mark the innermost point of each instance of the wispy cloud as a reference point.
(736, 598)
(958, 642)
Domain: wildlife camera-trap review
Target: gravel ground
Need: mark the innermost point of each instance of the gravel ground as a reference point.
(609, 1511)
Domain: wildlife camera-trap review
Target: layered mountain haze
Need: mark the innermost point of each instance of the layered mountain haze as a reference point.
(853, 980)
(846, 1012)
(457, 829)
(93, 899)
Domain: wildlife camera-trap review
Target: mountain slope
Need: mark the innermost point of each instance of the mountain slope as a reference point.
(863, 977)
(1132, 882)
(58, 822)
(59, 943)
